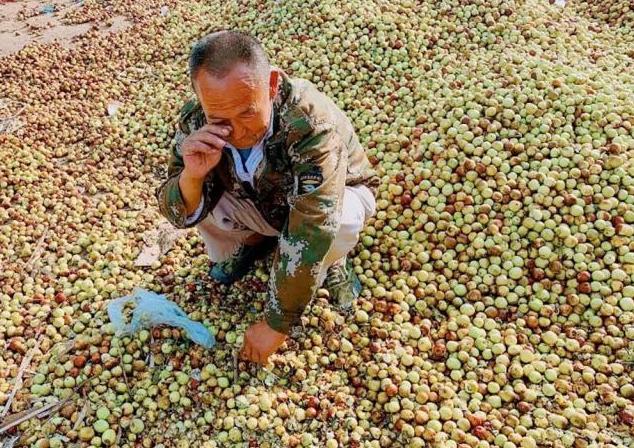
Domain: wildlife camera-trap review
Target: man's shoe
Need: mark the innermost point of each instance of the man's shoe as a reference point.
(237, 266)
(343, 284)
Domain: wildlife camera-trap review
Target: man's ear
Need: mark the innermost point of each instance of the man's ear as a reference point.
(274, 79)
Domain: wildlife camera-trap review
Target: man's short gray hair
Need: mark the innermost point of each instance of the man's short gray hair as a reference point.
(219, 52)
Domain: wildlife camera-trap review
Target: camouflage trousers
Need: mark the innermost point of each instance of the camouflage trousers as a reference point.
(234, 220)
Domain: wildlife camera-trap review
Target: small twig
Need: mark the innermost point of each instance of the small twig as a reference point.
(16, 419)
(26, 361)
(10, 443)
(37, 253)
(81, 416)
(125, 377)
(236, 355)
(151, 355)
(41, 412)
(51, 415)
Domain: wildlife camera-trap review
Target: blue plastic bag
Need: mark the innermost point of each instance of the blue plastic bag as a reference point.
(152, 310)
(47, 9)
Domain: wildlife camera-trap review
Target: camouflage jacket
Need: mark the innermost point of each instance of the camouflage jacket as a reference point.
(298, 188)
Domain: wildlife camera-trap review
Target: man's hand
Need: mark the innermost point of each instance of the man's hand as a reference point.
(260, 342)
(201, 153)
(202, 150)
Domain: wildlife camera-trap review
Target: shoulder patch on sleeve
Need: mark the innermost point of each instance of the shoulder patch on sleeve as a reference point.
(308, 179)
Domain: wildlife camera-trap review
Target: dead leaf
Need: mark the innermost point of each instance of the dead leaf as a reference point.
(157, 243)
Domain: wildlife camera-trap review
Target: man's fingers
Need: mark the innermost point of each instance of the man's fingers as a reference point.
(210, 139)
(216, 129)
(245, 350)
(256, 356)
(262, 359)
(198, 146)
(250, 353)
(207, 139)
(247, 356)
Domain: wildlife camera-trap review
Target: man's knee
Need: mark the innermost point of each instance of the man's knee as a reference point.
(221, 244)
(358, 206)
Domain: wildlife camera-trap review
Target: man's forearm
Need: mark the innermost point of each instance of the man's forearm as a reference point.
(191, 190)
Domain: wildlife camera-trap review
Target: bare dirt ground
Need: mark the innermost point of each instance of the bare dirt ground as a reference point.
(24, 22)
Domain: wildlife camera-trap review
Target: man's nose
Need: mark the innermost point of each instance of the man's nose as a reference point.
(237, 133)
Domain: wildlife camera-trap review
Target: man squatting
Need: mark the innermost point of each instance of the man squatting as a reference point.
(266, 162)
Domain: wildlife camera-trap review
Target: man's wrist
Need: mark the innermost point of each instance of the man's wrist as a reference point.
(277, 324)
(191, 189)
(195, 216)
(187, 177)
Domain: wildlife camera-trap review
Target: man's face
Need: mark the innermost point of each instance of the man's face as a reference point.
(240, 100)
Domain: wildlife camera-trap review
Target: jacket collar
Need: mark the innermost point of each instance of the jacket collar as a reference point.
(280, 104)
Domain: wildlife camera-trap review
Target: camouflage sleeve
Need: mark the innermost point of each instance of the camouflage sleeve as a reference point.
(168, 194)
(319, 171)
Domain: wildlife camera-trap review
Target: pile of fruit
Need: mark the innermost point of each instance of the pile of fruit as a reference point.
(498, 306)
